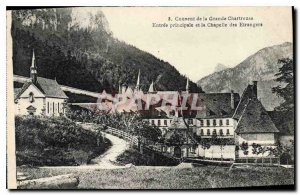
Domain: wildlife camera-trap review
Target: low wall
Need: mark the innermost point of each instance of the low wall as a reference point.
(216, 151)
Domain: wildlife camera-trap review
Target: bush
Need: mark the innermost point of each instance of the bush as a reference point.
(55, 141)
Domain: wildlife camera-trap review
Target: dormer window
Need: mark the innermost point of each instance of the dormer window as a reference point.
(31, 98)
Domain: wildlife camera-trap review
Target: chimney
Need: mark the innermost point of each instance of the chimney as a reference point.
(232, 99)
(254, 88)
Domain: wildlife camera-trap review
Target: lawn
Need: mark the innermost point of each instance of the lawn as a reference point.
(133, 156)
(172, 177)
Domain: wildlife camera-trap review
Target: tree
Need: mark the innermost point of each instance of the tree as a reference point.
(176, 139)
(284, 152)
(223, 142)
(258, 149)
(244, 148)
(205, 144)
(285, 76)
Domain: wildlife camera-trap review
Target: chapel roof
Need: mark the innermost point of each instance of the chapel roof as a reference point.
(49, 87)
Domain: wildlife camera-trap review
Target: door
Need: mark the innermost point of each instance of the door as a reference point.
(177, 152)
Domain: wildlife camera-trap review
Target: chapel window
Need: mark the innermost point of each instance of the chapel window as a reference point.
(31, 98)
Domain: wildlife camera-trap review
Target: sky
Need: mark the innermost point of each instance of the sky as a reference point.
(195, 52)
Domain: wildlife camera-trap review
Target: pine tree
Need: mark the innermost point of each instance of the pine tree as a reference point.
(286, 77)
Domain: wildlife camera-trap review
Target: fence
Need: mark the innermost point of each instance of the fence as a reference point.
(146, 146)
(124, 135)
(258, 161)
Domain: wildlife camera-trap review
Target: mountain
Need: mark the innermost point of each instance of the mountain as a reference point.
(220, 67)
(75, 46)
(261, 66)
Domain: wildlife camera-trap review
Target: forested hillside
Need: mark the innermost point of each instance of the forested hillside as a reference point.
(79, 50)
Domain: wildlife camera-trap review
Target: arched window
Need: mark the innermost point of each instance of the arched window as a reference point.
(208, 123)
(202, 133)
(214, 132)
(227, 121)
(221, 122)
(208, 132)
(201, 123)
(221, 132)
(214, 122)
(31, 98)
(227, 132)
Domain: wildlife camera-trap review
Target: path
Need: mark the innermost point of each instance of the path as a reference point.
(108, 159)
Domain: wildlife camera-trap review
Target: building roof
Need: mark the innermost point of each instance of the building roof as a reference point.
(49, 87)
(216, 105)
(247, 94)
(185, 136)
(154, 114)
(204, 105)
(21, 91)
(255, 119)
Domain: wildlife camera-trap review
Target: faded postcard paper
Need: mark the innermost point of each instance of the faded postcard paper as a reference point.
(150, 98)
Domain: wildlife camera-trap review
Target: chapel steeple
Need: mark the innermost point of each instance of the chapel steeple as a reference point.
(187, 85)
(151, 88)
(137, 87)
(33, 69)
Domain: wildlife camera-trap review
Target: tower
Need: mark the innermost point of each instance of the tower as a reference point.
(120, 90)
(254, 87)
(187, 85)
(33, 69)
(151, 88)
(137, 87)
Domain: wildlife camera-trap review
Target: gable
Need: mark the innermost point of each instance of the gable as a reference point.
(31, 89)
(255, 119)
(247, 94)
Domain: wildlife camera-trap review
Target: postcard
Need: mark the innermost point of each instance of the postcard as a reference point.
(150, 98)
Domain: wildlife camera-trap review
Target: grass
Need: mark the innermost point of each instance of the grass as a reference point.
(136, 158)
(55, 141)
(172, 177)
